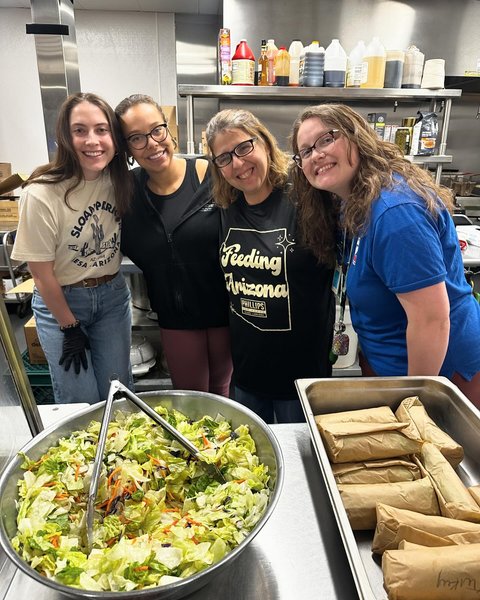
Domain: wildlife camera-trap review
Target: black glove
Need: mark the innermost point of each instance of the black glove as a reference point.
(75, 345)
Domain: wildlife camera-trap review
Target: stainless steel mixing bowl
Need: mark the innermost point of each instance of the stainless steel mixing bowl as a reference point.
(193, 404)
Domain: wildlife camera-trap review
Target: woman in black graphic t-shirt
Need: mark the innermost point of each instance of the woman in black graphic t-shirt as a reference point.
(281, 304)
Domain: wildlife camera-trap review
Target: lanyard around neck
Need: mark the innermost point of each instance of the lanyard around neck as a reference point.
(345, 264)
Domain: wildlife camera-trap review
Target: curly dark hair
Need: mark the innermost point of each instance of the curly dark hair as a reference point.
(65, 164)
(237, 118)
(379, 162)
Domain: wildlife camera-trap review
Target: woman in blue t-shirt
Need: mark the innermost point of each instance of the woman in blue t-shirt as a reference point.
(410, 303)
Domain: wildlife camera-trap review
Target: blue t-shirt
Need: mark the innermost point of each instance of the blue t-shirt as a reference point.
(406, 248)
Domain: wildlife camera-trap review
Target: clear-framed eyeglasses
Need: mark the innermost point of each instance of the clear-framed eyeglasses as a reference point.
(325, 140)
(139, 141)
(240, 150)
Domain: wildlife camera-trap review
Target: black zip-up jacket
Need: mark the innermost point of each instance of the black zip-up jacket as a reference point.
(182, 270)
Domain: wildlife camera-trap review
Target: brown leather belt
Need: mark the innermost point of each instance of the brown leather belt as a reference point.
(93, 281)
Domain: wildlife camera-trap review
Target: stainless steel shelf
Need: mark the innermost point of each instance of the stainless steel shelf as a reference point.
(430, 160)
(248, 92)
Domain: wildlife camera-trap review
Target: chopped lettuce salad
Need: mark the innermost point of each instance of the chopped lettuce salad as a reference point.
(159, 517)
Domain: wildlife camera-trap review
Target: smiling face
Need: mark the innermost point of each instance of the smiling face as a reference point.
(334, 167)
(247, 173)
(91, 138)
(143, 118)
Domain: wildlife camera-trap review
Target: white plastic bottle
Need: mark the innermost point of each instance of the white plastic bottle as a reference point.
(335, 65)
(314, 65)
(413, 68)
(375, 59)
(295, 50)
(356, 69)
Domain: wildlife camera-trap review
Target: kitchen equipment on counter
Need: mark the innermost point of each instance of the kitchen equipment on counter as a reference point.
(142, 355)
(462, 184)
(445, 404)
(138, 290)
(195, 405)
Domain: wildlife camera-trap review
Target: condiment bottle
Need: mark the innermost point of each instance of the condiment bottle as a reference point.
(335, 65)
(272, 51)
(356, 69)
(375, 58)
(282, 67)
(314, 65)
(243, 65)
(295, 50)
(263, 65)
(394, 68)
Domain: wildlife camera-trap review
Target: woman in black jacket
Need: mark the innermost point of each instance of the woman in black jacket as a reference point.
(171, 232)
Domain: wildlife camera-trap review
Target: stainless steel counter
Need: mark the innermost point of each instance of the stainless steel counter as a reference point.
(297, 555)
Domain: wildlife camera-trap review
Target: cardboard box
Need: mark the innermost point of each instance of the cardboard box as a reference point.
(35, 352)
(9, 211)
(11, 183)
(377, 123)
(5, 170)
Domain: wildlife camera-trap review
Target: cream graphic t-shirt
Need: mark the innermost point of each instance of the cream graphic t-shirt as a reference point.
(83, 241)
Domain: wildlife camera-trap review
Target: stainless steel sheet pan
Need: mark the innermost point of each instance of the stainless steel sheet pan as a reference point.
(446, 405)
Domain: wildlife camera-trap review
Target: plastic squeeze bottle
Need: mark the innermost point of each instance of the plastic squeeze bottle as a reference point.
(335, 65)
(375, 58)
(282, 67)
(272, 51)
(295, 50)
(243, 65)
(356, 69)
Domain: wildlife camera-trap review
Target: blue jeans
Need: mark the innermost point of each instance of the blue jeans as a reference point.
(279, 411)
(105, 316)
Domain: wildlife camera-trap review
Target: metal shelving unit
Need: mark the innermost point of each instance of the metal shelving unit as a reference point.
(319, 94)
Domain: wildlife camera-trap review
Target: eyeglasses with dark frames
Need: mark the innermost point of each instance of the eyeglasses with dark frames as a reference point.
(240, 150)
(139, 141)
(325, 140)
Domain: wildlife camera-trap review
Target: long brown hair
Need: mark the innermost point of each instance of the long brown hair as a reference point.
(379, 162)
(66, 165)
(236, 118)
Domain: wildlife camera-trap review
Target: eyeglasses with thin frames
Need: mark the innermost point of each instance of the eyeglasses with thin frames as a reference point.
(240, 150)
(325, 140)
(139, 141)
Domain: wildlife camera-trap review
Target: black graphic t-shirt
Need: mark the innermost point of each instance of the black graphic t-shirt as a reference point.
(281, 304)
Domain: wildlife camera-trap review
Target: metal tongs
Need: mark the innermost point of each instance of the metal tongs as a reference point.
(118, 390)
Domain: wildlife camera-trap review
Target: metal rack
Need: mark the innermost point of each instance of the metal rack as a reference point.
(13, 269)
(311, 95)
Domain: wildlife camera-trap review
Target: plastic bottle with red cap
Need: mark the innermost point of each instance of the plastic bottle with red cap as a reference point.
(243, 65)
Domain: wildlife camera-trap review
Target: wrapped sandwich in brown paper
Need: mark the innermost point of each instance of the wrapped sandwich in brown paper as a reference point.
(380, 414)
(451, 572)
(376, 471)
(360, 500)
(353, 441)
(394, 524)
(422, 427)
(474, 492)
(453, 497)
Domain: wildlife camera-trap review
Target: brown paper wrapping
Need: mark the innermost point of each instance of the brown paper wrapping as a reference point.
(353, 441)
(474, 492)
(376, 471)
(360, 500)
(381, 414)
(448, 573)
(453, 497)
(422, 427)
(393, 525)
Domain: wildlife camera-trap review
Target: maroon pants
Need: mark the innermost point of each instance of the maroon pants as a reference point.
(471, 388)
(199, 359)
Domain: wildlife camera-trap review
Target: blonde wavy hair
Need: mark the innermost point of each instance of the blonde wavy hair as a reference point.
(379, 162)
(236, 118)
